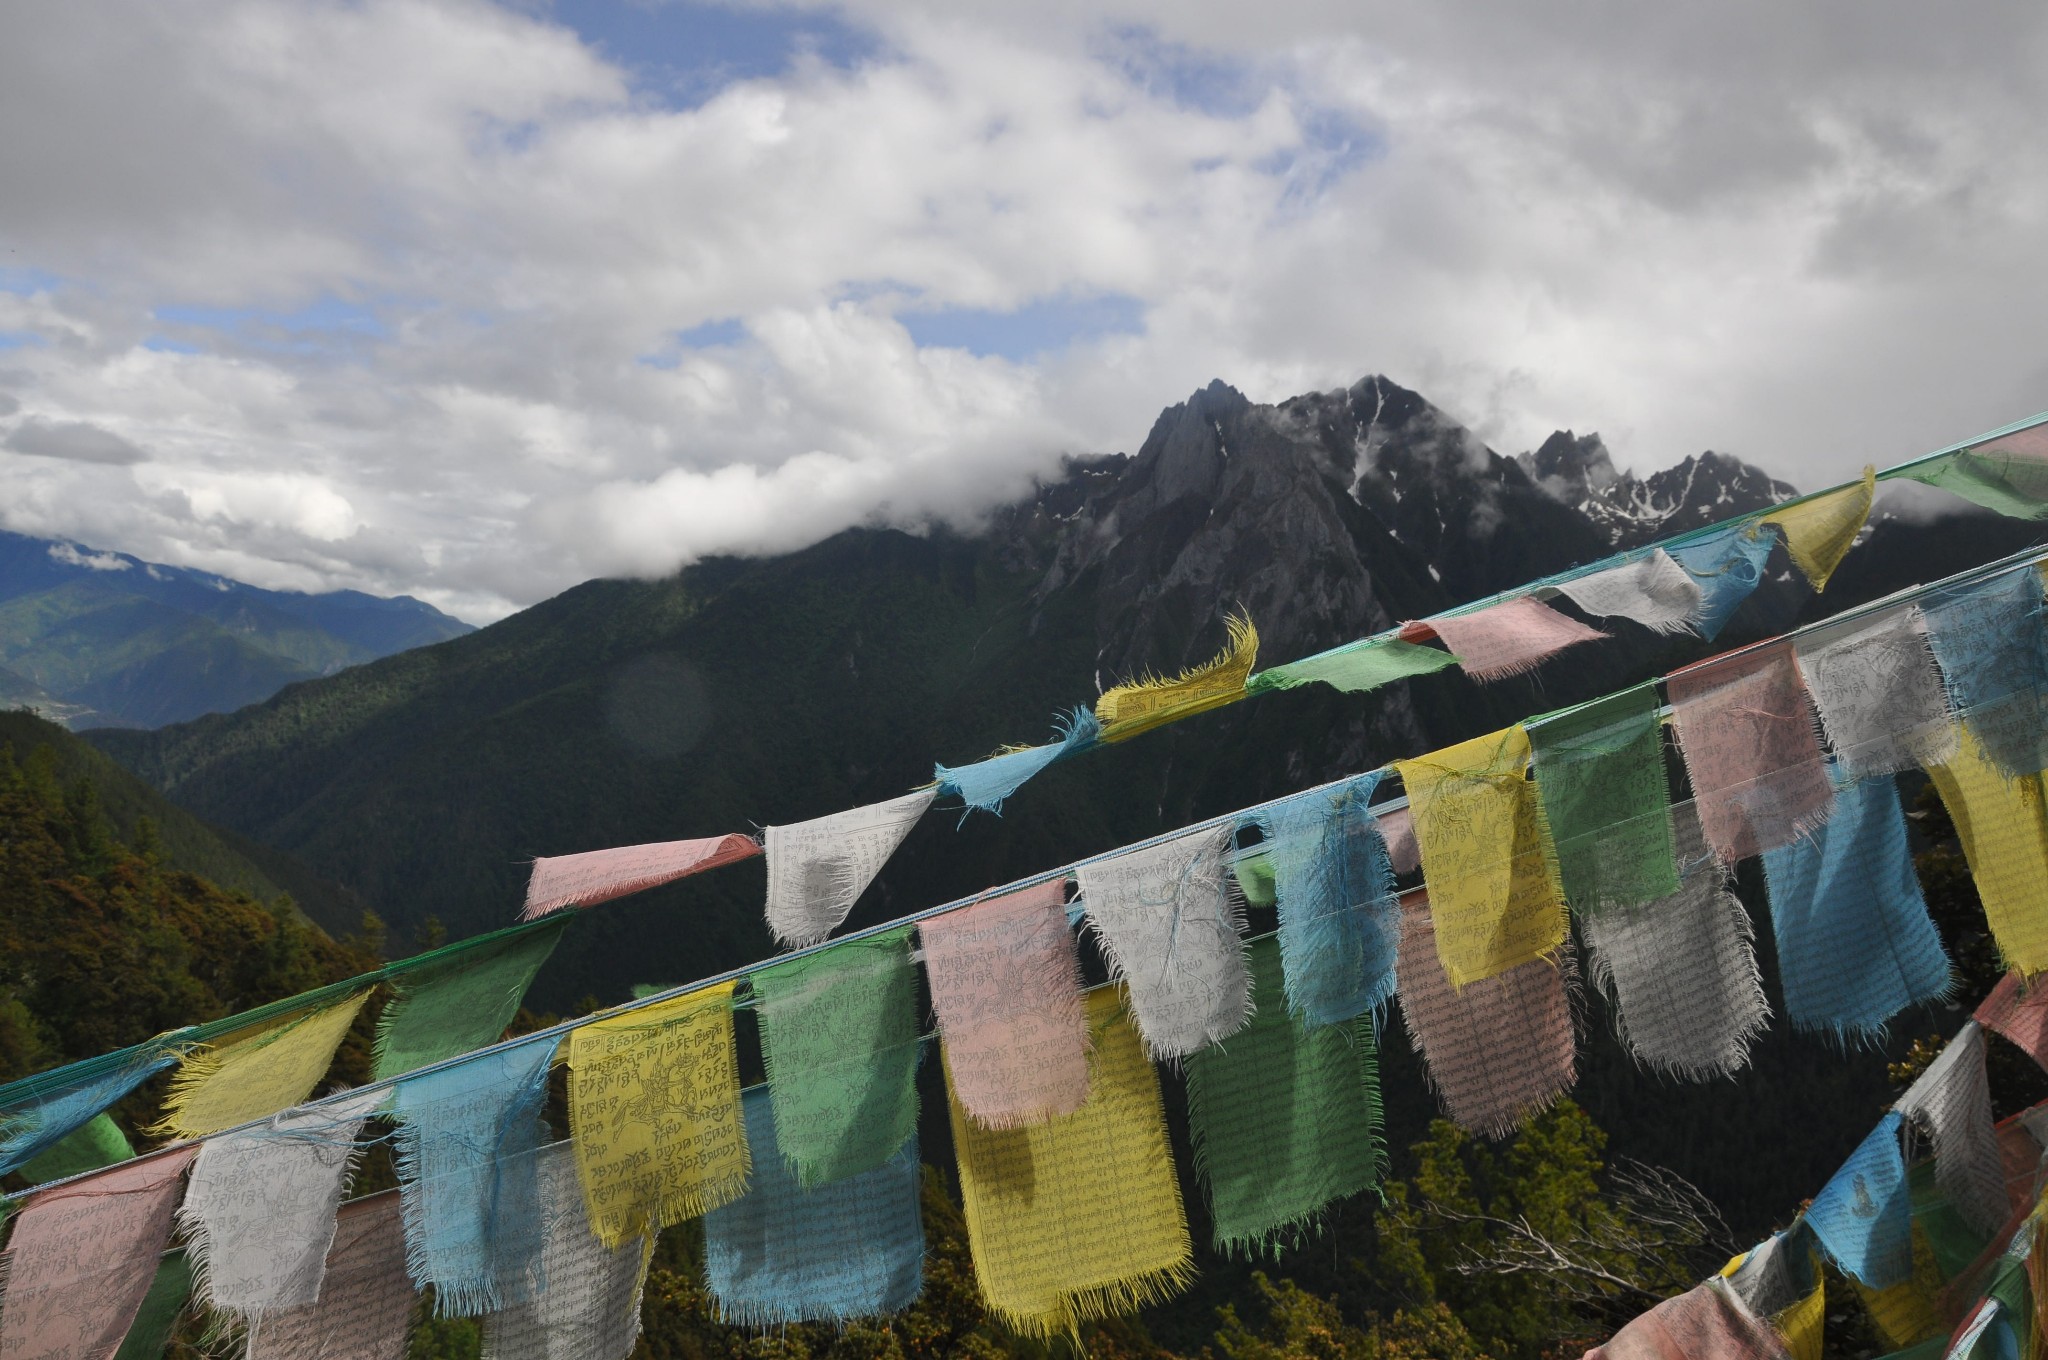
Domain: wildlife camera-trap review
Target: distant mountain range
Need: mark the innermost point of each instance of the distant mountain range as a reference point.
(100, 639)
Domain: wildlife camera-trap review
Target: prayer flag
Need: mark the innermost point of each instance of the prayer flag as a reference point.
(2003, 825)
(273, 1069)
(1355, 668)
(1993, 650)
(1006, 984)
(28, 1130)
(1080, 1217)
(1140, 705)
(1340, 925)
(1172, 931)
(458, 1004)
(1513, 637)
(781, 1254)
(161, 1308)
(2008, 474)
(1706, 1322)
(1819, 531)
(96, 1143)
(471, 1203)
(654, 1110)
(1880, 694)
(587, 1306)
(1681, 970)
(1727, 567)
(1864, 1214)
(1650, 589)
(1496, 1051)
(596, 876)
(1285, 1119)
(1855, 943)
(2020, 1013)
(986, 784)
(366, 1301)
(1600, 782)
(1484, 856)
(1950, 1104)
(818, 869)
(840, 1041)
(1749, 734)
(81, 1259)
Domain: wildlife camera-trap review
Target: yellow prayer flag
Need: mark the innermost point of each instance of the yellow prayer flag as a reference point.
(248, 1078)
(1818, 532)
(2003, 826)
(1142, 705)
(1905, 1313)
(1493, 893)
(1804, 1324)
(654, 1107)
(1079, 1217)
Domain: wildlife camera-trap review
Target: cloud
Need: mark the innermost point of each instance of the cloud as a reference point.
(92, 561)
(471, 301)
(78, 441)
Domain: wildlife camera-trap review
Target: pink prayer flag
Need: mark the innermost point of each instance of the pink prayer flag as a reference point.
(1497, 1050)
(1006, 983)
(600, 875)
(82, 1258)
(1707, 1322)
(2019, 1015)
(1750, 736)
(1510, 638)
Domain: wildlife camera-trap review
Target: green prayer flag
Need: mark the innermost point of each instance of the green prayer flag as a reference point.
(1955, 1243)
(1600, 782)
(840, 1041)
(458, 1004)
(161, 1306)
(1356, 668)
(1285, 1117)
(2006, 481)
(96, 1143)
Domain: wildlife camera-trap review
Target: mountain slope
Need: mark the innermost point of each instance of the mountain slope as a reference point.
(109, 639)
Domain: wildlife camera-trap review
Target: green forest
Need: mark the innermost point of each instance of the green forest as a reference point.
(1534, 1247)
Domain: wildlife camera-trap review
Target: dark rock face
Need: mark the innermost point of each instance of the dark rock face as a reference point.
(1630, 511)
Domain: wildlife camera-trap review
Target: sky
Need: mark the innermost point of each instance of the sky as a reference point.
(475, 301)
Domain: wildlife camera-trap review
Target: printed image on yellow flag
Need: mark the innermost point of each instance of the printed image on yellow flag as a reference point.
(1493, 892)
(654, 1107)
(1819, 532)
(2004, 830)
(249, 1078)
(1140, 705)
(1079, 1217)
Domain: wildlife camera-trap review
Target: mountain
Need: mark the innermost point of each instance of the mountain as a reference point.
(1629, 510)
(95, 639)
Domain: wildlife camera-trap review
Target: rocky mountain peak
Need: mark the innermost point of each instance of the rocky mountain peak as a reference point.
(1576, 470)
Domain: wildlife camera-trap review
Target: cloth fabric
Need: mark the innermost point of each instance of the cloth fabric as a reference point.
(1855, 943)
(1006, 984)
(1285, 1119)
(27, 1131)
(1908, 1312)
(1863, 1216)
(1356, 668)
(459, 1004)
(1993, 648)
(2020, 1013)
(1681, 971)
(1652, 590)
(1802, 1327)
(588, 1304)
(1950, 1105)
(987, 783)
(2008, 474)
(1340, 925)
(258, 1216)
(1496, 1051)
(96, 1143)
(1748, 731)
(82, 1257)
(1727, 567)
(274, 1069)
(1172, 931)
(1513, 637)
(161, 1308)
(654, 1111)
(817, 869)
(2003, 826)
(1080, 1217)
(1776, 1274)
(366, 1303)
(1600, 782)
(1484, 856)
(840, 1042)
(1819, 532)
(1880, 694)
(1141, 705)
(1707, 1322)
(780, 1253)
(561, 881)
(471, 1202)
(1397, 828)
